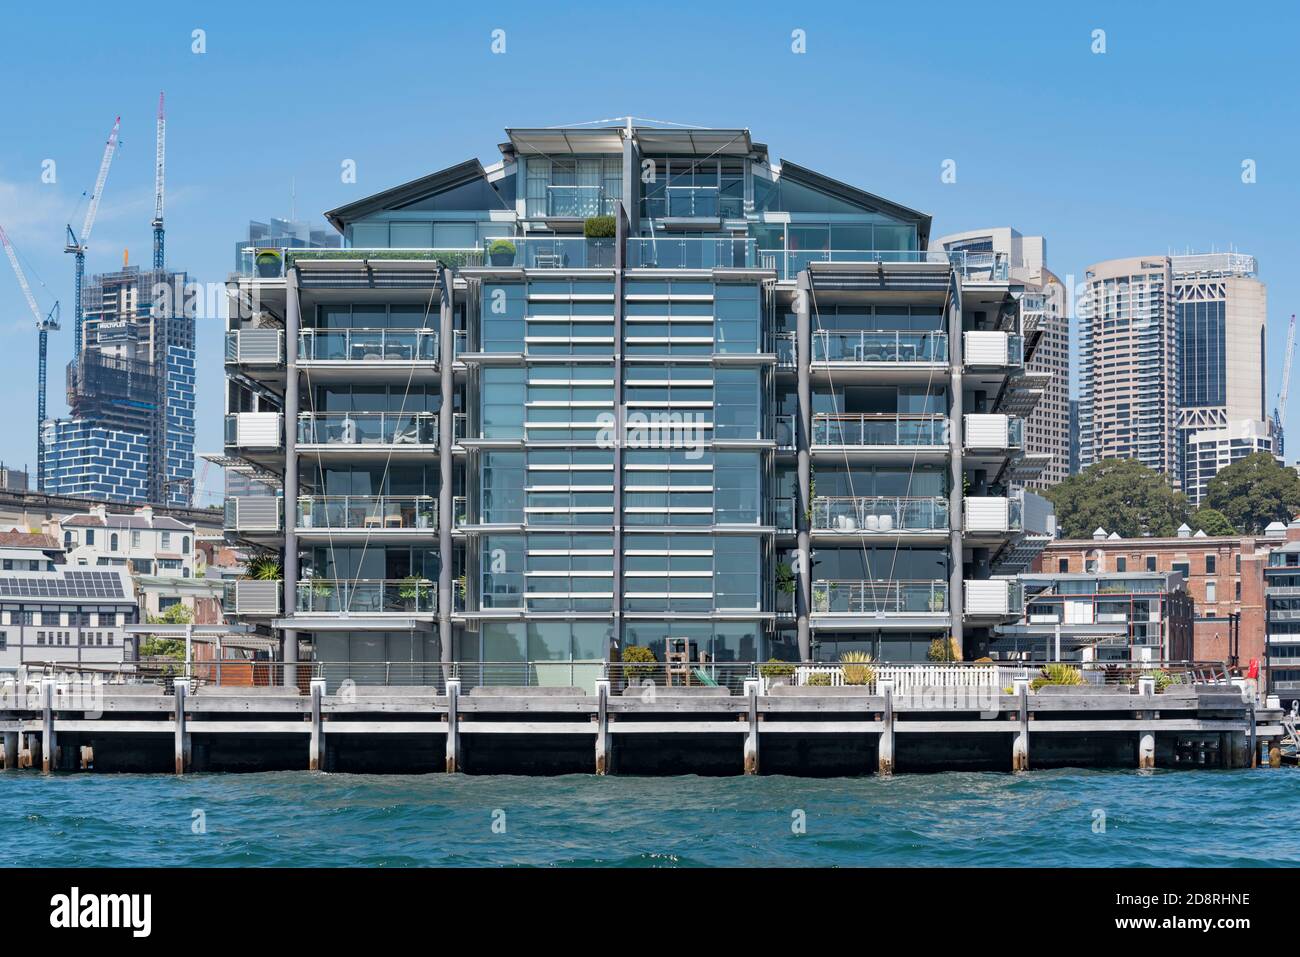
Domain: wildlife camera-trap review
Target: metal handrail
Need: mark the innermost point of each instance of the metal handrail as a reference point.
(368, 428)
(368, 344)
(838, 345)
(367, 596)
(371, 512)
(879, 597)
(879, 429)
(856, 513)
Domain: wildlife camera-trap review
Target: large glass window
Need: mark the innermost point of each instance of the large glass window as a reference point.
(503, 399)
(502, 324)
(738, 318)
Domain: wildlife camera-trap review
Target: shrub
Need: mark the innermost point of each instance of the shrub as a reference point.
(599, 227)
(638, 662)
(776, 669)
(265, 568)
(1163, 679)
(818, 679)
(785, 579)
(857, 668)
(499, 246)
(1058, 674)
(942, 650)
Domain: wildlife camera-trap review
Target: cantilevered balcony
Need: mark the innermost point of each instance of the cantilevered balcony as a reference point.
(659, 252)
(349, 518)
(881, 434)
(992, 350)
(880, 515)
(885, 349)
(368, 345)
(991, 515)
(255, 349)
(252, 598)
(788, 263)
(993, 599)
(868, 599)
(256, 515)
(360, 433)
(367, 596)
(548, 252)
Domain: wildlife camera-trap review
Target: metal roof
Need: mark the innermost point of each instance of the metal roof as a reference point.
(406, 193)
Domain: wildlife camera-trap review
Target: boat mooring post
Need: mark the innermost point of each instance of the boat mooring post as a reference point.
(179, 689)
(602, 726)
(11, 750)
(1147, 737)
(885, 751)
(453, 725)
(48, 743)
(316, 749)
(752, 688)
(1020, 746)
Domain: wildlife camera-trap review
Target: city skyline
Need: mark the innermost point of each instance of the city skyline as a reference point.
(221, 172)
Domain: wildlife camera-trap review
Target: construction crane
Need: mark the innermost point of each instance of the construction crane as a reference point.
(77, 245)
(45, 324)
(1279, 411)
(158, 177)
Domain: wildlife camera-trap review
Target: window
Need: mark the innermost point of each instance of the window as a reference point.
(1210, 564)
(68, 540)
(1063, 565)
(1237, 591)
(1185, 567)
(90, 536)
(1238, 563)
(166, 540)
(1151, 563)
(135, 539)
(1121, 564)
(112, 542)
(1210, 592)
(185, 544)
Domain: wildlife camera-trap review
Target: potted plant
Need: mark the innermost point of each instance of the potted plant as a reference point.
(821, 595)
(775, 668)
(268, 263)
(415, 591)
(462, 588)
(1057, 674)
(600, 231)
(818, 679)
(942, 650)
(502, 252)
(638, 662)
(264, 568)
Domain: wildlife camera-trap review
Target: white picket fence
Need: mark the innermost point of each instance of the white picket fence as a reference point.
(923, 676)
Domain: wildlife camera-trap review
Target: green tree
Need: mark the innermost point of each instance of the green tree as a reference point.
(153, 646)
(1211, 521)
(1255, 491)
(1119, 495)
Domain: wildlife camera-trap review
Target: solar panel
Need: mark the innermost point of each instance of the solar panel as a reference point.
(70, 584)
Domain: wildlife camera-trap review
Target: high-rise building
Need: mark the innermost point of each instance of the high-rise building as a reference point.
(1046, 339)
(756, 415)
(1172, 364)
(129, 436)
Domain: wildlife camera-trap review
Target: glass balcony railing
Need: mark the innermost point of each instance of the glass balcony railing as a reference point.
(784, 347)
(880, 514)
(879, 430)
(258, 262)
(788, 263)
(579, 202)
(367, 512)
(409, 596)
(368, 345)
(783, 430)
(782, 511)
(368, 428)
(830, 345)
(550, 252)
(879, 597)
(660, 252)
(694, 202)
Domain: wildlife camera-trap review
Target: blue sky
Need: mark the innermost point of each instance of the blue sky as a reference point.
(1136, 151)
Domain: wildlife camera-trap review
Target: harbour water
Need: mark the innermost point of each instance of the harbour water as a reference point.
(1047, 818)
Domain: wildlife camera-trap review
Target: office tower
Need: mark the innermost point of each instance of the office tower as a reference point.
(629, 387)
(1047, 339)
(1172, 364)
(129, 436)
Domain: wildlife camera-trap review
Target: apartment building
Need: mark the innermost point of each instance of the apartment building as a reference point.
(66, 616)
(629, 386)
(1046, 327)
(1172, 364)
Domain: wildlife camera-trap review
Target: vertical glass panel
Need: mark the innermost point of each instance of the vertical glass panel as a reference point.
(411, 235)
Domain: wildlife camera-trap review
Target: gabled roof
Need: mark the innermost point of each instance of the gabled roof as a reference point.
(860, 197)
(17, 539)
(407, 193)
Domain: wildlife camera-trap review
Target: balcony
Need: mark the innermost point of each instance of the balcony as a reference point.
(262, 348)
(781, 513)
(784, 431)
(656, 252)
(985, 267)
(788, 263)
(253, 599)
(992, 350)
(883, 515)
(872, 598)
(406, 596)
(255, 430)
(995, 433)
(271, 263)
(368, 345)
(871, 431)
(409, 431)
(991, 515)
(890, 348)
(579, 202)
(254, 513)
(994, 598)
(370, 514)
(550, 252)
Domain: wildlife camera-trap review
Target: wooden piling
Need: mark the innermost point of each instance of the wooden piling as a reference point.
(885, 752)
(1020, 745)
(11, 750)
(47, 726)
(453, 725)
(602, 726)
(751, 734)
(182, 743)
(316, 747)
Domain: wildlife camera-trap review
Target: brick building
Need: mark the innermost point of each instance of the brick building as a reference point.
(1224, 576)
